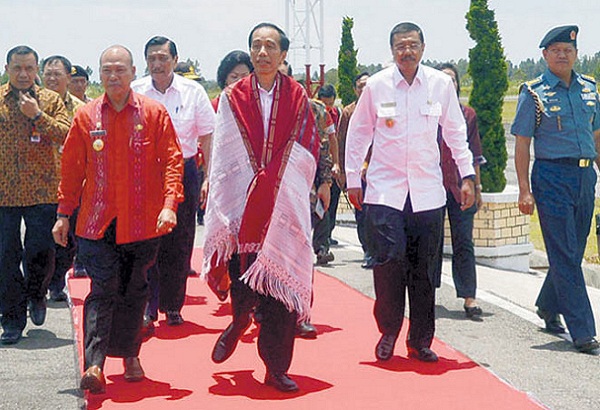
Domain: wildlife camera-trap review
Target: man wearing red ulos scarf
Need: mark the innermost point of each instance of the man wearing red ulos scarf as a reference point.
(123, 163)
(263, 163)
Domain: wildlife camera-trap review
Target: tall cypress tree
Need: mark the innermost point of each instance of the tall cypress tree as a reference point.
(488, 69)
(347, 63)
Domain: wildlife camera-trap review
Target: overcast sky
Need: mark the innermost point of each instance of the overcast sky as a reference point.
(205, 30)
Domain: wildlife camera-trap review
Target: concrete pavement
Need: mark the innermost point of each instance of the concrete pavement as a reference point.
(42, 371)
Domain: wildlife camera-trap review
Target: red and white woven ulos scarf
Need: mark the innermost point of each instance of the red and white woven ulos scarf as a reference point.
(259, 192)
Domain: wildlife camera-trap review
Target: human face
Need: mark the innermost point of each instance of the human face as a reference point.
(453, 76)
(78, 86)
(560, 58)
(328, 101)
(56, 78)
(116, 72)
(360, 85)
(161, 63)
(265, 52)
(239, 71)
(22, 70)
(407, 50)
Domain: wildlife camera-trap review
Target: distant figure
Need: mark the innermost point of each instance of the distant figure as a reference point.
(464, 271)
(79, 83)
(257, 221)
(56, 75)
(359, 84)
(560, 111)
(34, 123)
(127, 143)
(397, 116)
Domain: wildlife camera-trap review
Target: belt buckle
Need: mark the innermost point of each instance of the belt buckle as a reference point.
(584, 162)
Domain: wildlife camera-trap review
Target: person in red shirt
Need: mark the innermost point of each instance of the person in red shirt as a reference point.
(123, 162)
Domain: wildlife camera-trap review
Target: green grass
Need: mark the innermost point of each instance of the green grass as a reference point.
(591, 250)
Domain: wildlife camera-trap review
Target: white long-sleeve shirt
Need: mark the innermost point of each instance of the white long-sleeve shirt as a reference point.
(189, 107)
(401, 121)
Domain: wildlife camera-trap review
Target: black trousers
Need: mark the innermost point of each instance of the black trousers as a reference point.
(168, 277)
(406, 247)
(36, 254)
(114, 309)
(277, 325)
(64, 257)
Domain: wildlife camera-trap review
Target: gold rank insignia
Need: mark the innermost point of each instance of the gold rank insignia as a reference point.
(586, 90)
(573, 35)
(590, 103)
(550, 93)
(554, 108)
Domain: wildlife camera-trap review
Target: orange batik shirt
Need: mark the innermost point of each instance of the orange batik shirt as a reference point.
(126, 165)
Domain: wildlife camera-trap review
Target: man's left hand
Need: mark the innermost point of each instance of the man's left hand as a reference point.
(167, 220)
(467, 194)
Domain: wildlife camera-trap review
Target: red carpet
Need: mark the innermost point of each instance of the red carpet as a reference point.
(336, 371)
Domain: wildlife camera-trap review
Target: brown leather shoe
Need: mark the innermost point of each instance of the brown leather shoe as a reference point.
(133, 369)
(93, 380)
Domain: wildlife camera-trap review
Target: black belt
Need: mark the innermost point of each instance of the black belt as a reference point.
(575, 162)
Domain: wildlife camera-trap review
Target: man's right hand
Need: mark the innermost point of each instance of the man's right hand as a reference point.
(355, 195)
(526, 202)
(60, 231)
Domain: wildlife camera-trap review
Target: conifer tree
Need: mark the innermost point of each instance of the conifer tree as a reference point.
(347, 63)
(488, 70)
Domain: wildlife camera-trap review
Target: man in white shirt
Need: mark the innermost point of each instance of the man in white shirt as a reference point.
(194, 119)
(398, 116)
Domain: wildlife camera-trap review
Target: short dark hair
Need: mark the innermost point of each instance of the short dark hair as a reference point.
(361, 75)
(160, 41)
(21, 50)
(405, 27)
(290, 72)
(65, 62)
(229, 62)
(327, 91)
(284, 41)
(450, 66)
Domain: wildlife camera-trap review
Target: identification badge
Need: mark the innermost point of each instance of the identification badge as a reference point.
(588, 97)
(97, 133)
(387, 109)
(35, 137)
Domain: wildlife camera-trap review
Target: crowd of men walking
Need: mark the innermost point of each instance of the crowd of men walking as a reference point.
(111, 187)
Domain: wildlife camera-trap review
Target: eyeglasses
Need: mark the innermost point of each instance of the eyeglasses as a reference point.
(410, 46)
(55, 74)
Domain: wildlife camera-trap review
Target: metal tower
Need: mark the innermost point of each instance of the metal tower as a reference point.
(304, 24)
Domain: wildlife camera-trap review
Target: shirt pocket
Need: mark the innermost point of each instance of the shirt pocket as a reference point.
(431, 113)
(387, 116)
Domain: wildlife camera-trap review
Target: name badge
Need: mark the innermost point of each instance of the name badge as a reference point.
(97, 133)
(35, 137)
(588, 96)
(387, 109)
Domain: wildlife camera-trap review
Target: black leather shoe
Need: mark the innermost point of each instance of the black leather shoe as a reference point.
(333, 242)
(133, 369)
(58, 296)
(174, 318)
(10, 336)
(323, 258)
(385, 347)
(228, 341)
(281, 382)
(587, 345)
(148, 326)
(368, 263)
(93, 380)
(423, 354)
(306, 330)
(553, 323)
(473, 312)
(37, 311)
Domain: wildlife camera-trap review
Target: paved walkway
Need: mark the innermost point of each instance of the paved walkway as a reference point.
(41, 372)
